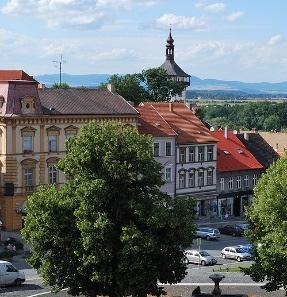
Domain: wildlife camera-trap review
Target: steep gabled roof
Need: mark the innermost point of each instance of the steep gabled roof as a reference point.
(180, 119)
(257, 145)
(232, 154)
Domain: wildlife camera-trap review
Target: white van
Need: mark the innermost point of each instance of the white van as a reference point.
(10, 275)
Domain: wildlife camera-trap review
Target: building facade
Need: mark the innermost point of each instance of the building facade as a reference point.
(34, 124)
(237, 173)
(194, 158)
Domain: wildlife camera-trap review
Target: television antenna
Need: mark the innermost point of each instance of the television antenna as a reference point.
(59, 63)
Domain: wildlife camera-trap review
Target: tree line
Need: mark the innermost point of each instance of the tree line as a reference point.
(265, 116)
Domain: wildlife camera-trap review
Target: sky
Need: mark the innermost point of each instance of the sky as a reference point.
(230, 39)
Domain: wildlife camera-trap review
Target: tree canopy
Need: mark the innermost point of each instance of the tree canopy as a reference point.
(260, 115)
(268, 227)
(150, 85)
(109, 230)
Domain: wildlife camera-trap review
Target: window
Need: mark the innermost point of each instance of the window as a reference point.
(27, 144)
(181, 180)
(156, 149)
(230, 183)
(200, 178)
(246, 181)
(191, 154)
(182, 158)
(28, 179)
(238, 182)
(222, 184)
(168, 174)
(210, 153)
(11, 268)
(53, 143)
(168, 149)
(200, 153)
(254, 179)
(53, 174)
(191, 179)
(210, 177)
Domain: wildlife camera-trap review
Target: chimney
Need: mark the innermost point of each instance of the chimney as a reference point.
(111, 88)
(246, 136)
(226, 132)
(277, 147)
(170, 107)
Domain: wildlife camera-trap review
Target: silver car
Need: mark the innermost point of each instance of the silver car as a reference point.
(200, 257)
(237, 253)
(208, 233)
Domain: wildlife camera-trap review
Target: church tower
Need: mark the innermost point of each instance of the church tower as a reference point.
(173, 70)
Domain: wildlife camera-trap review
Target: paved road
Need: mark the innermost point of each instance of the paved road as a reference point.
(197, 275)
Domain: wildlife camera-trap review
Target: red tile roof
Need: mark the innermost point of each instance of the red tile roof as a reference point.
(151, 122)
(173, 119)
(232, 155)
(7, 75)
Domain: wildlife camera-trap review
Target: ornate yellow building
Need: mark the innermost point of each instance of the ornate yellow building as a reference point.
(34, 124)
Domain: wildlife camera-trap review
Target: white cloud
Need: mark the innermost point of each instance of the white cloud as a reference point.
(215, 7)
(181, 22)
(235, 16)
(113, 54)
(72, 13)
(275, 39)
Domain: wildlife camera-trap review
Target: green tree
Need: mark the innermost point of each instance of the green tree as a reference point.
(129, 86)
(109, 230)
(159, 85)
(272, 122)
(268, 228)
(149, 85)
(60, 86)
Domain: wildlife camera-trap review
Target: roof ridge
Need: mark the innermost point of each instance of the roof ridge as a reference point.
(164, 119)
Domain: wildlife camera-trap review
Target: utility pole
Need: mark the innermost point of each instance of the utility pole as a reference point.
(60, 65)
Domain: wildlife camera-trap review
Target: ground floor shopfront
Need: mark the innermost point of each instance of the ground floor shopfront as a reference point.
(224, 205)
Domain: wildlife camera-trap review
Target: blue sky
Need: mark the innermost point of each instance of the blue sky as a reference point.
(229, 39)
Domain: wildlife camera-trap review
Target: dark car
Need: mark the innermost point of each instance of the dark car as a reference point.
(231, 230)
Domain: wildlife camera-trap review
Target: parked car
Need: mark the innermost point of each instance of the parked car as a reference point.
(200, 257)
(247, 247)
(208, 233)
(10, 275)
(233, 230)
(244, 227)
(237, 253)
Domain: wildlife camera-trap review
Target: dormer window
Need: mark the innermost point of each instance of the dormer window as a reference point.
(27, 105)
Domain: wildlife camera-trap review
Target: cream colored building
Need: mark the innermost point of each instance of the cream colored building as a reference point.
(34, 125)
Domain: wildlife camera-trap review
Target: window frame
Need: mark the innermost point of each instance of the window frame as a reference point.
(238, 182)
(166, 150)
(230, 183)
(199, 178)
(191, 149)
(254, 179)
(189, 179)
(52, 166)
(182, 180)
(201, 147)
(222, 183)
(182, 154)
(154, 149)
(168, 167)
(208, 182)
(210, 153)
(246, 181)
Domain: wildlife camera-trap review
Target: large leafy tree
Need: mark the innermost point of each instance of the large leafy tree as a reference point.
(109, 230)
(150, 85)
(268, 227)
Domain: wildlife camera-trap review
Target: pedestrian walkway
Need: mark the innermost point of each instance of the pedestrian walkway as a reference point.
(217, 221)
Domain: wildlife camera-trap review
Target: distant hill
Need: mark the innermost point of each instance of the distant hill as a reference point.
(94, 80)
(86, 80)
